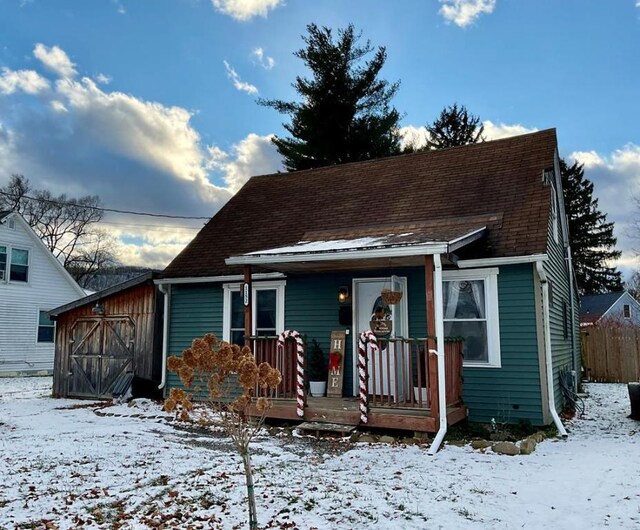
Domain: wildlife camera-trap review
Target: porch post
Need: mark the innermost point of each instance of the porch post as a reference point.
(431, 332)
(247, 295)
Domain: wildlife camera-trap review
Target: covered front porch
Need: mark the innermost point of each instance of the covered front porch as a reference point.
(398, 380)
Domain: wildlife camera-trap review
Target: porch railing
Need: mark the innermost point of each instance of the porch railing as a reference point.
(402, 373)
(265, 349)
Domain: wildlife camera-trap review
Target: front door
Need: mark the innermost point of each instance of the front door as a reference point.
(368, 307)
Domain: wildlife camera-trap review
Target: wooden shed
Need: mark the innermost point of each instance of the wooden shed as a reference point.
(112, 332)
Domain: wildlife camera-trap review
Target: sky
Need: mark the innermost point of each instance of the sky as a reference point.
(152, 105)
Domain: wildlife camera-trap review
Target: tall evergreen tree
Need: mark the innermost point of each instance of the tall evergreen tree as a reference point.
(345, 112)
(455, 126)
(591, 236)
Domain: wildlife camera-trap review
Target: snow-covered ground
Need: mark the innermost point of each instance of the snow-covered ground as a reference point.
(63, 466)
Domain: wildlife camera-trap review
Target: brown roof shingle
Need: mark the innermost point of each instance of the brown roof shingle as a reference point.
(501, 179)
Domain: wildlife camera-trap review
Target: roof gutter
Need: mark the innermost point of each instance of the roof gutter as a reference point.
(166, 291)
(217, 279)
(512, 260)
(547, 349)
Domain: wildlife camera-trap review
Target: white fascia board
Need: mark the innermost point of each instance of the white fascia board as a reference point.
(487, 262)
(215, 279)
(461, 241)
(343, 255)
(59, 266)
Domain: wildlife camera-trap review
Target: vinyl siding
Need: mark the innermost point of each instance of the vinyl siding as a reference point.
(20, 304)
(196, 309)
(561, 347)
(512, 392)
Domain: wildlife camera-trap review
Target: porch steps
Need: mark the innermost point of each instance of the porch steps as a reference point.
(326, 428)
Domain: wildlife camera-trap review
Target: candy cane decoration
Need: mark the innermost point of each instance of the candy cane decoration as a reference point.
(292, 334)
(365, 338)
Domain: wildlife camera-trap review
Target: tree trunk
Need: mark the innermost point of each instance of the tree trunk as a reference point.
(634, 397)
(251, 497)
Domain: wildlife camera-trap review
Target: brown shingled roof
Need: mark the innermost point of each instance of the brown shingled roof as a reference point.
(500, 180)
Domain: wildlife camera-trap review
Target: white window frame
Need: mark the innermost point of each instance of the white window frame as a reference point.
(228, 288)
(492, 311)
(7, 273)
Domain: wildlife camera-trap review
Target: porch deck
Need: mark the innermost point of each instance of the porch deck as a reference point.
(345, 411)
(402, 382)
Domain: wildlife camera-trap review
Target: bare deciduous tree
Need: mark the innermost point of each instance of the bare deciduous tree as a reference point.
(66, 225)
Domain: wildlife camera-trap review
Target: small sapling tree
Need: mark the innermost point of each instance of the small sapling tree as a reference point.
(228, 381)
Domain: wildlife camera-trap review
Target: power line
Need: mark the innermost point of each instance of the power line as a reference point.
(98, 208)
(137, 225)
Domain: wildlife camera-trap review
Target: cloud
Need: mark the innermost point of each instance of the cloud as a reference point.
(464, 12)
(238, 83)
(263, 60)
(26, 81)
(417, 136)
(616, 179)
(103, 79)
(254, 155)
(495, 131)
(244, 10)
(55, 60)
(413, 136)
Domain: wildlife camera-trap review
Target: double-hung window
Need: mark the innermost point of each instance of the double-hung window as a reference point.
(470, 299)
(14, 264)
(46, 327)
(267, 310)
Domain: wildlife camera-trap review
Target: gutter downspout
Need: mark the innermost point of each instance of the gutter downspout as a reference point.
(573, 319)
(547, 349)
(165, 332)
(442, 392)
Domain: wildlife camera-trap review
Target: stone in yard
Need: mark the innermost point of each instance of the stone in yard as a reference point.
(367, 438)
(480, 444)
(387, 439)
(527, 446)
(457, 443)
(538, 437)
(506, 448)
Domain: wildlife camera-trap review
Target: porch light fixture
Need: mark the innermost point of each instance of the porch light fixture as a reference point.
(97, 309)
(343, 294)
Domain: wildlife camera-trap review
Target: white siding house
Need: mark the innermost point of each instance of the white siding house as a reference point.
(32, 281)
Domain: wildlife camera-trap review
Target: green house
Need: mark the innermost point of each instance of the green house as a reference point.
(472, 239)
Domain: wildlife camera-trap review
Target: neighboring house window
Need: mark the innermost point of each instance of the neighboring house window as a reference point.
(267, 311)
(471, 312)
(46, 328)
(626, 310)
(14, 264)
(3, 262)
(19, 265)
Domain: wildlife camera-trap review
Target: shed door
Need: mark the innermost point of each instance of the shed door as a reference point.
(99, 351)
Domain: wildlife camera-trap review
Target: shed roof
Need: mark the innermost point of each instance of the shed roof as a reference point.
(99, 295)
(497, 185)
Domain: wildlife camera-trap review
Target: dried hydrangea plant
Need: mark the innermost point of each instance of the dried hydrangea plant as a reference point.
(215, 372)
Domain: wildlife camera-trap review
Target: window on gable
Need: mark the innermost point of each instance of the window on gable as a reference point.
(626, 310)
(19, 265)
(471, 312)
(46, 328)
(267, 311)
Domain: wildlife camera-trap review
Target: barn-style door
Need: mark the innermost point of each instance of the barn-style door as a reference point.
(100, 350)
